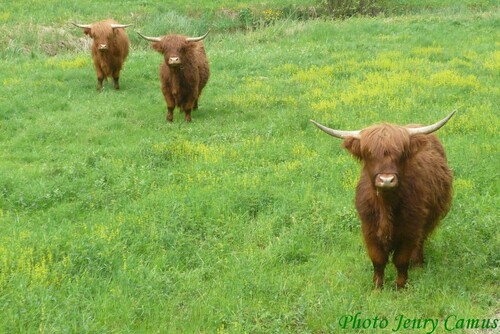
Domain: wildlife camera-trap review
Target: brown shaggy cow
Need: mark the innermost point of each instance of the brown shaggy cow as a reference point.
(183, 73)
(404, 190)
(109, 49)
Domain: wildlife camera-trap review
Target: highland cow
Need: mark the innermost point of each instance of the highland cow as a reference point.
(183, 73)
(404, 190)
(109, 49)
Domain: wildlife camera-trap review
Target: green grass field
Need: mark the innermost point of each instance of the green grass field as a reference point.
(113, 221)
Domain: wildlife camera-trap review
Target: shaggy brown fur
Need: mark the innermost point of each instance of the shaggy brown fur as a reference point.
(183, 73)
(399, 218)
(109, 50)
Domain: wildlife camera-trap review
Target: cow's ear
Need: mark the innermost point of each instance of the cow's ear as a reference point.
(157, 46)
(86, 31)
(353, 146)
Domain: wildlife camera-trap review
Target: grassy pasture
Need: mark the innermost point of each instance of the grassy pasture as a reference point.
(112, 220)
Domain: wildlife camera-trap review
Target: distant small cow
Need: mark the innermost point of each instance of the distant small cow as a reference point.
(183, 73)
(404, 190)
(109, 49)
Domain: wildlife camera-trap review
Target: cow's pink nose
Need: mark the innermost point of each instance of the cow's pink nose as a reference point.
(174, 61)
(103, 46)
(386, 180)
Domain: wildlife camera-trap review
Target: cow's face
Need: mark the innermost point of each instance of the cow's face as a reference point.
(174, 49)
(102, 34)
(383, 149)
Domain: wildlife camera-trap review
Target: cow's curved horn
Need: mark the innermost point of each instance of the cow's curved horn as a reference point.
(151, 39)
(430, 128)
(338, 133)
(197, 39)
(83, 26)
(114, 25)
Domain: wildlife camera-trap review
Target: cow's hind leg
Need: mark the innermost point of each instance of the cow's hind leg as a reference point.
(378, 274)
(187, 108)
(379, 259)
(417, 256)
(401, 260)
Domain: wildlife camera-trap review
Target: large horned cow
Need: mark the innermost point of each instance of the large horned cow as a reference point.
(404, 190)
(109, 49)
(183, 73)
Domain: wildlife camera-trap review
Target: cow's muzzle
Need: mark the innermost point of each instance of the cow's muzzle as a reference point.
(386, 180)
(174, 61)
(102, 47)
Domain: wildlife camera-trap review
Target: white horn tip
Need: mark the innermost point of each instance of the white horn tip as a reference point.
(433, 127)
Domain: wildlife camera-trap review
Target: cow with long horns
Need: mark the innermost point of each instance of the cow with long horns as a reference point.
(404, 190)
(109, 49)
(184, 72)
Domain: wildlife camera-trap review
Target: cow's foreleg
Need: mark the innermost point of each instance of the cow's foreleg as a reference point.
(100, 74)
(116, 78)
(188, 115)
(100, 79)
(169, 99)
(170, 114)
(116, 82)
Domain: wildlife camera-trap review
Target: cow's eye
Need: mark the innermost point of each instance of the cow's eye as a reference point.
(368, 156)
